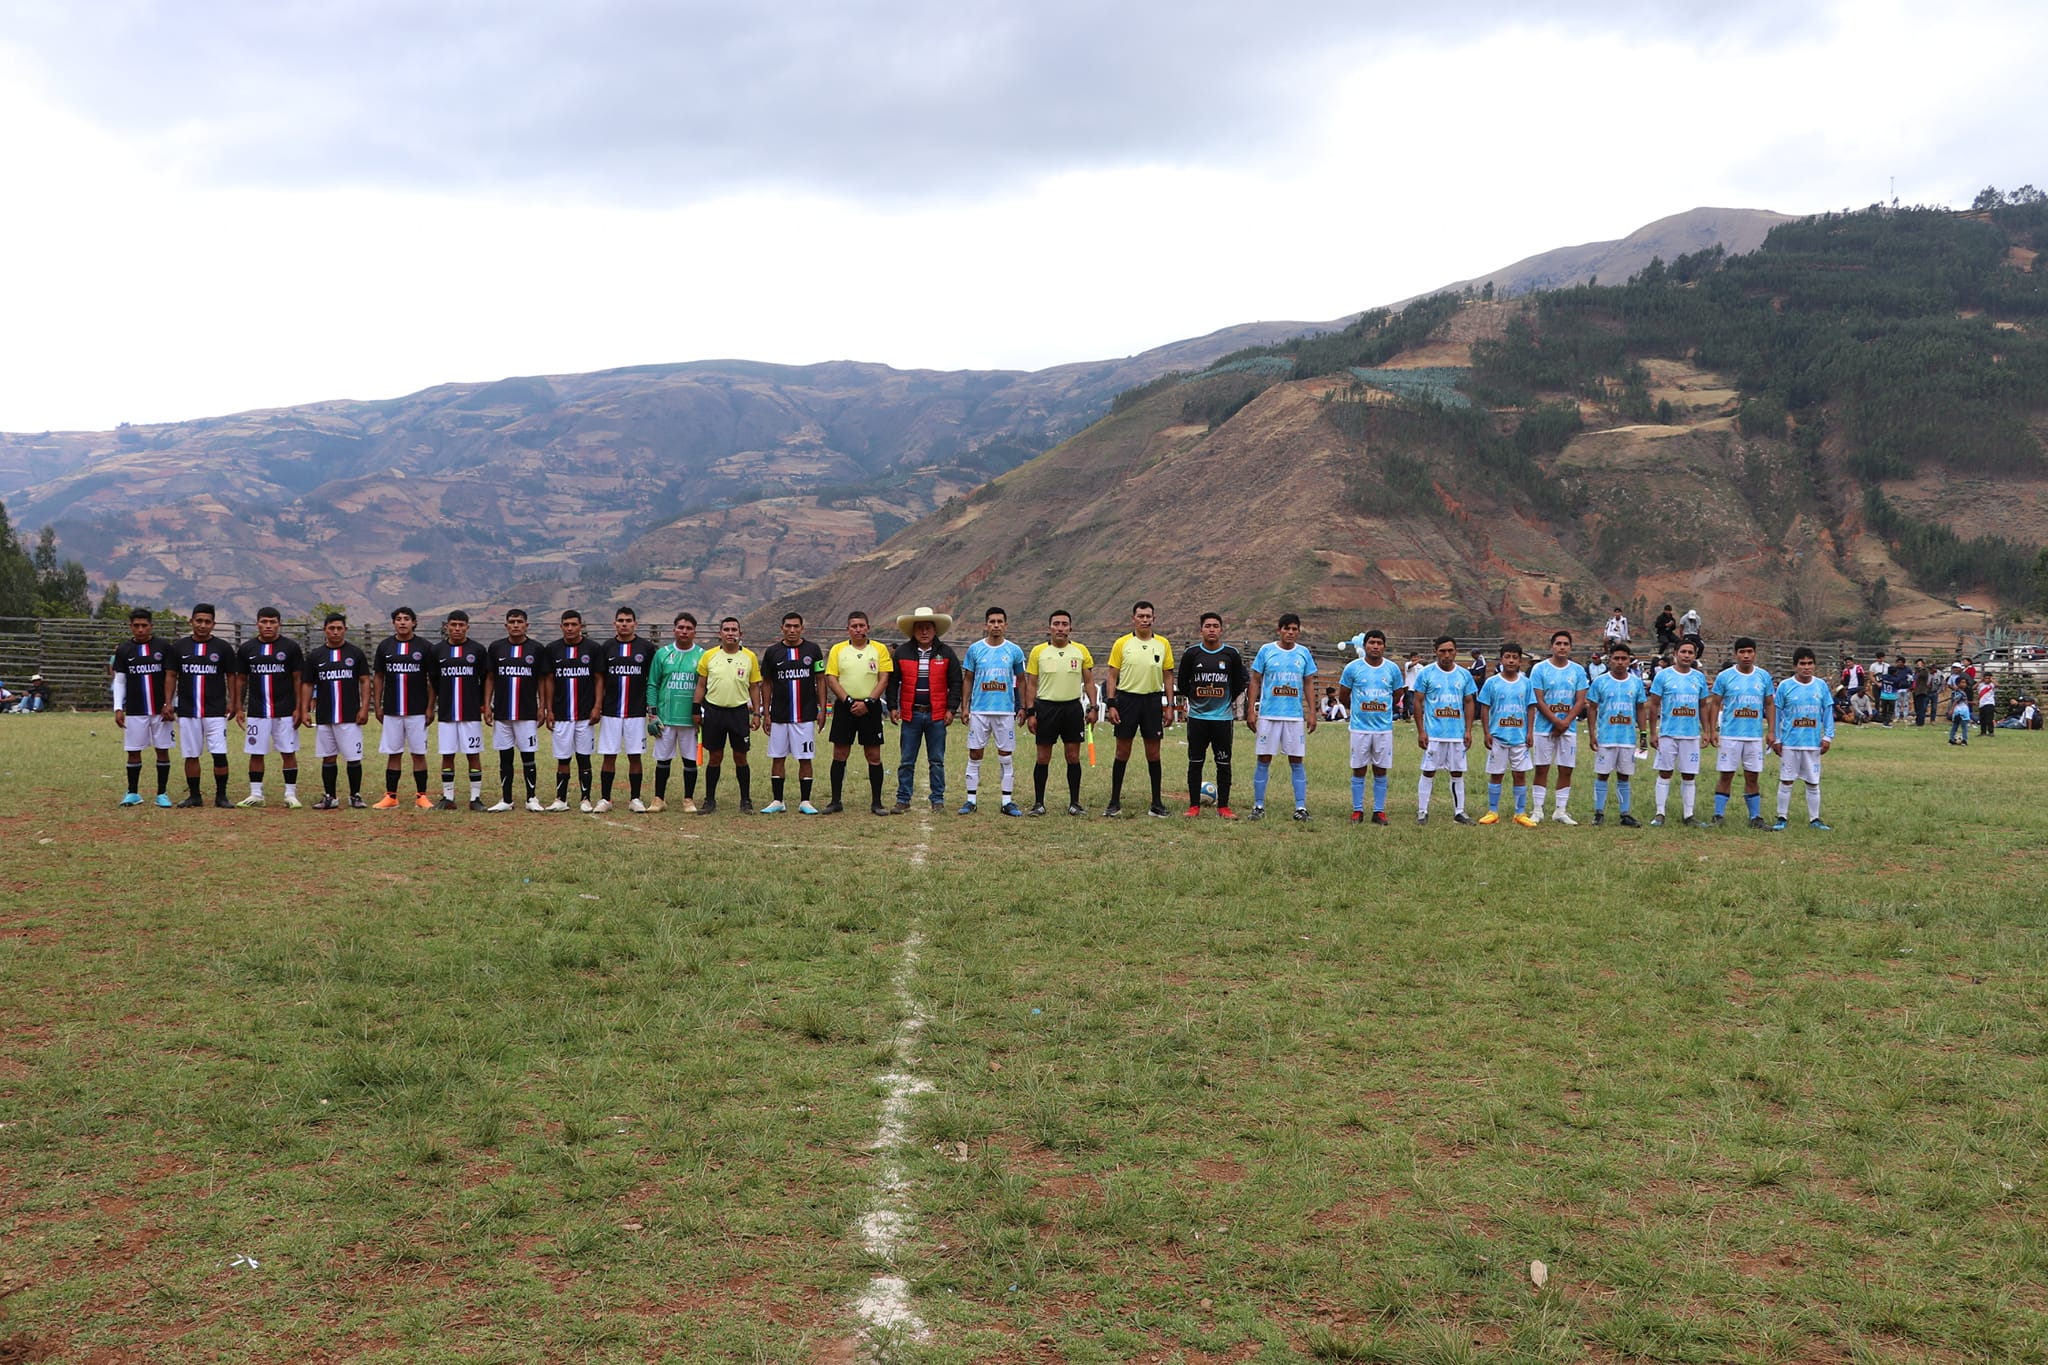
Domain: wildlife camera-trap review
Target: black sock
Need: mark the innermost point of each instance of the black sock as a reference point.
(220, 783)
(531, 768)
(803, 786)
(391, 781)
(711, 781)
(134, 775)
(1074, 784)
(255, 774)
(1152, 767)
(329, 771)
(875, 783)
(561, 781)
(448, 773)
(1222, 781)
(192, 783)
(775, 786)
(604, 782)
(633, 783)
(1194, 784)
(838, 779)
(1116, 780)
(291, 776)
(661, 767)
(419, 778)
(355, 778)
(1039, 772)
(745, 777)
(505, 775)
(689, 778)
(163, 776)
(583, 775)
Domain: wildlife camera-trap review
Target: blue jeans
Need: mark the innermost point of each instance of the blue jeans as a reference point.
(932, 733)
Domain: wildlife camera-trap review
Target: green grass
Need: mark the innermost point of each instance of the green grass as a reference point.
(529, 1089)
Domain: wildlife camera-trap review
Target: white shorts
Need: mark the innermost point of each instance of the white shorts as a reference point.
(1372, 748)
(676, 741)
(793, 739)
(344, 742)
(1745, 755)
(1000, 726)
(146, 732)
(1502, 758)
(570, 737)
(1289, 737)
(202, 736)
(522, 735)
(622, 734)
(1563, 750)
(403, 735)
(278, 733)
(1615, 758)
(1799, 765)
(1448, 754)
(460, 736)
(1682, 754)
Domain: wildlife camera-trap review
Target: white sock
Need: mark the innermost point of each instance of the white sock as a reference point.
(1008, 764)
(256, 790)
(1687, 790)
(1784, 799)
(1424, 786)
(1536, 801)
(476, 787)
(291, 789)
(1457, 793)
(1663, 792)
(1813, 800)
(448, 790)
(1564, 794)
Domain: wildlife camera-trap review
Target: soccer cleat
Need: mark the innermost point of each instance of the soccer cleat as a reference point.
(1690, 822)
(249, 803)
(1226, 813)
(1536, 816)
(877, 808)
(637, 806)
(709, 806)
(689, 807)
(1076, 808)
(1599, 817)
(746, 806)
(445, 803)
(388, 801)
(163, 800)
(1301, 813)
(426, 802)
(586, 806)
(499, 807)
(1656, 822)
(356, 802)
(1112, 811)
(533, 804)
(1821, 825)
(476, 803)
(293, 803)
(806, 808)
(132, 799)
(327, 803)
(1756, 822)
(833, 808)
(1780, 825)
(1191, 812)
(967, 807)
(1157, 810)
(1562, 818)
(1460, 818)
(1010, 808)
(603, 806)
(1037, 808)
(223, 803)
(656, 806)
(1379, 817)
(772, 808)
(1258, 812)
(1629, 821)
(1525, 822)
(1358, 817)
(1720, 820)
(557, 806)
(191, 803)
(1491, 817)
(1422, 817)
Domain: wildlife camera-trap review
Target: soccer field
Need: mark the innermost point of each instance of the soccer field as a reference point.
(409, 1086)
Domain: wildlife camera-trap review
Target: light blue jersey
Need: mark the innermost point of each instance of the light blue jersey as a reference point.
(1614, 701)
(1680, 698)
(996, 670)
(1806, 713)
(1283, 680)
(1373, 688)
(1508, 707)
(1742, 697)
(1557, 687)
(1443, 692)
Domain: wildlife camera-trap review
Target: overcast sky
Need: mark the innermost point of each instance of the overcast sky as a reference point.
(253, 203)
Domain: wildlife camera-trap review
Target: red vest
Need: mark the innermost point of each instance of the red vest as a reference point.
(907, 666)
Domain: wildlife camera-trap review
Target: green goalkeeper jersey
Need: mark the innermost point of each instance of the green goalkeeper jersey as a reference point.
(672, 684)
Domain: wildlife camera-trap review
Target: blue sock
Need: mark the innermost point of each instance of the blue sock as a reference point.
(1755, 804)
(1259, 776)
(1379, 791)
(1357, 792)
(1521, 800)
(1621, 793)
(1599, 793)
(1300, 773)
(1493, 796)
(1720, 804)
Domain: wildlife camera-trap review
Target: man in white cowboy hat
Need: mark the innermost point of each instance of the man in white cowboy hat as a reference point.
(928, 682)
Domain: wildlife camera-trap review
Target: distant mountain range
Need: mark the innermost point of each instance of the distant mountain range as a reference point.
(724, 484)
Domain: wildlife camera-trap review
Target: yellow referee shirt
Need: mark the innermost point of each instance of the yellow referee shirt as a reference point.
(727, 676)
(1141, 665)
(1059, 671)
(860, 671)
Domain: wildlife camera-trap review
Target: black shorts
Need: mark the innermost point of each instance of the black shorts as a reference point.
(1061, 721)
(1205, 735)
(726, 722)
(1140, 713)
(847, 728)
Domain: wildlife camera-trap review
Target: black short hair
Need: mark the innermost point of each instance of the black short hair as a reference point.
(1209, 616)
(334, 616)
(1443, 640)
(1142, 605)
(397, 612)
(1619, 648)
(625, 611)
(1804, 652)
(1687, 644)
(141, 614)
(723, 619)
(795, 616)
(1744, 642)
(995, 611)
(270, 614)
(1508, 647)
(572, 615)
(203, 609)
(685, 616)
(515, 611)
(853, 616)
(458, 615)
(1061, 611)
(1565, 633)
(1376, 634)
(1288, 618)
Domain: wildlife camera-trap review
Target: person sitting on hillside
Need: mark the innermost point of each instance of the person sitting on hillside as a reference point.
(1666, 626)
(1689, 630)
(1334, 709)
(1615, 632)
(2025, 716)
(37, 698)
(9, 701)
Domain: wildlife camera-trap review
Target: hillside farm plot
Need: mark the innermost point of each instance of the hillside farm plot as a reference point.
(399, 1086)
(1430, 384)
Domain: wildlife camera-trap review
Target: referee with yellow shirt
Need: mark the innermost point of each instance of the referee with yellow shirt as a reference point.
(857, 675)
(734, 697)
(1138, 694)
(1058, 677)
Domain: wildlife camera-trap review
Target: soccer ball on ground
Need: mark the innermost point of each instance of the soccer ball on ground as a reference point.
(1208, 793)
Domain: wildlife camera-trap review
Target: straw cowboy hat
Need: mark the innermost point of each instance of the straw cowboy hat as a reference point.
(937, 618)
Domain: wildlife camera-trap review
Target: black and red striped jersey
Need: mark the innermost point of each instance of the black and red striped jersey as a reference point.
(272, 667)
(336, 674)
(792, 672)
(143, 665)
(201, 669)
(459, 680)
(624, 678)
(404, 671)
(518, 672)
(574, 668)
